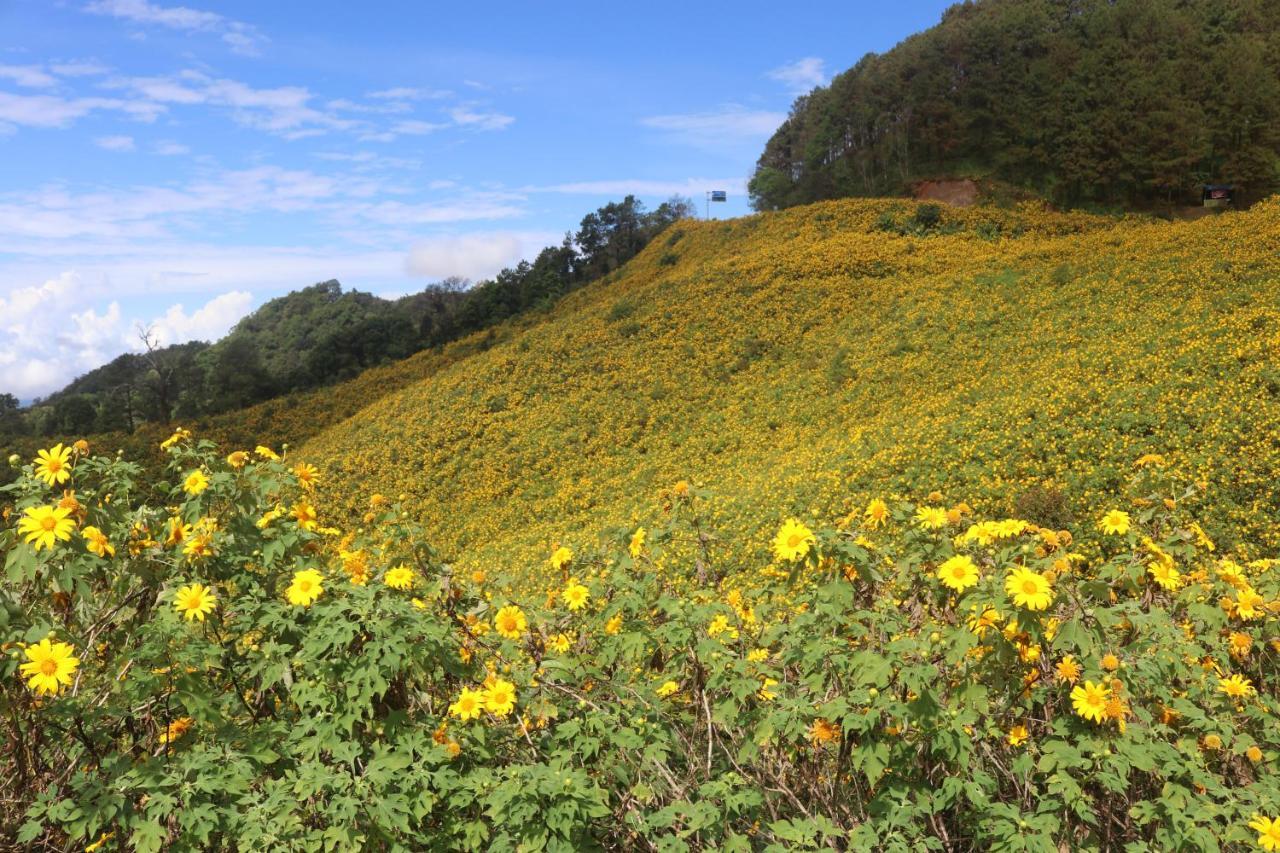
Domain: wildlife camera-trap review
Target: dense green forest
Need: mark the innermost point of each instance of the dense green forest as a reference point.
(1126, 103)
(322, 334)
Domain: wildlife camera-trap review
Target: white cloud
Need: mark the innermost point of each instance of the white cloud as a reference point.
(730, 124)
(408, 214)
(240, 37)
(79, 68)
(413, 127)
(468, 117)
(29, 76)
(169, 148)
(800, 76)
(54, 111)
(115, 143)
(207, 323)
(406, 93)
(43, 347)
(475, 256)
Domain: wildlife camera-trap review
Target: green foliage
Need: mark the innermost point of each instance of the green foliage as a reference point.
(1098, 103)
(842, 698)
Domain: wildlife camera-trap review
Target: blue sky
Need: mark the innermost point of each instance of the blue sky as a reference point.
(178, 165)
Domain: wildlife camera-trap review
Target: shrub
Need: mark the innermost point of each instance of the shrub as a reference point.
(909, 678)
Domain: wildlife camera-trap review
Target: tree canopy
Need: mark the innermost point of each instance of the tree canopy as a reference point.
(1114, 102)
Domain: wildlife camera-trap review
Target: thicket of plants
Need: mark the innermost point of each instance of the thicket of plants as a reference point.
(213, 666)
(1124, 103)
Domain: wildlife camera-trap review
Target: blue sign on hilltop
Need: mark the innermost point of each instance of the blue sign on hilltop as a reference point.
(719, 195)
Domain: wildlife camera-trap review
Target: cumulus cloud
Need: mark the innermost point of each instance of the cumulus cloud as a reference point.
(115, 143)
(43, 345)
(56, 111)
(29, 76)
(475, 256)
(694, 187)
(800, 76)
(240, 37)
(478, 119)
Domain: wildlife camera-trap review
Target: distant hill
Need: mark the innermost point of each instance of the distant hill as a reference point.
(322, 334)
(1118, 103)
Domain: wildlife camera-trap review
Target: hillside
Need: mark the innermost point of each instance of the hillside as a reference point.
(807, 360)
(1135, 103)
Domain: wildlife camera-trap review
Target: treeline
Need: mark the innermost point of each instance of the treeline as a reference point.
(1113, 102)
(322, 334)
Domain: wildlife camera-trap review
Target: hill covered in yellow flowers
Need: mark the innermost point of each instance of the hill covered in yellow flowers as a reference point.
(802, 362)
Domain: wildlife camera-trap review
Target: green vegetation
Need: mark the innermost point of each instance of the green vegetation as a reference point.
(1110, 102)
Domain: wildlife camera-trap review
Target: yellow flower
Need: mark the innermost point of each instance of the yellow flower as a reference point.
(176, 729)
(1212, 742)
(958, 573)
(195, 483)
(177, 532)
(720, 625)
(1236, 686)
(266, 453)
(306, 588)
(636, 547)
(195, 601)
(765, 693)
(614, 625)
(308, 475)
(1268, 830)
(97, 542)
(793, 541)
(560, 643)
(1110, 662)
(1068, 670)
(400, 577)
(561, 557)
(1239, 644)
(179, 434)
(305, 514)
(667, 688)
(1090, 700)
(822, 731)
(758, 655)
(49, 666)
(876, 513)
(1114, 523)
(931, 517)
(1249, 604)
(237, 459)
(1029, 589)
(45, 525)
(500, 697)
(510, 622)
(97, 845)
(200, 545)
(1253, 754)
(575, 595)
(54, 465)
(1165, 575)
(1018, 735)
(469, 706)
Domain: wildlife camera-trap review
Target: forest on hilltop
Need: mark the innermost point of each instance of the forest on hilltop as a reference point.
(1117, 103)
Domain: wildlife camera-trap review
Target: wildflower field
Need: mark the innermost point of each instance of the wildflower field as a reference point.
(843, 527)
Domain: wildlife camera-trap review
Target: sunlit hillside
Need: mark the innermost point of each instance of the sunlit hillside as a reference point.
(807, 360)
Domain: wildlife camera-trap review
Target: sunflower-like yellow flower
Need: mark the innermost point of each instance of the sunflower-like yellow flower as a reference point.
(49, 666)
(931, 517)
(195, 483)
(195, 601)
(1115, 523)
(308, 475)
(510, 622)
(636, 547)
(1018, 735)
(1236, 686)
(667, 688)
(54, 465)
(399, 577)
(876, 513)
(958, 573)
(1029, 589)
(305, 514)
(1090, 700)
(43, 526)
(500, 697)
(307, 586)
(793, 541)
(469, 705)
(97, 542)
(1068, 669)
(1268, 829)
(575, 595)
